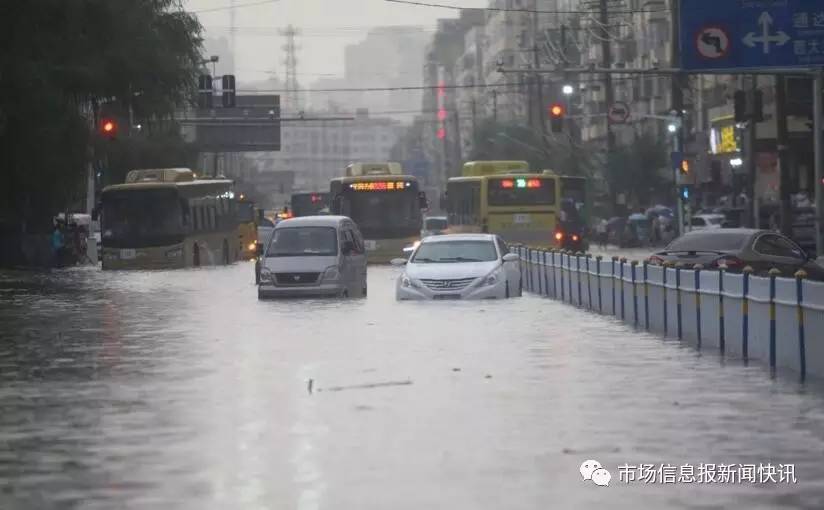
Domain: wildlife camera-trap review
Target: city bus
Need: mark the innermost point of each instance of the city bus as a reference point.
(309, 203)
(522, 206)
(385, 204)
(247, 228)
(166, 218)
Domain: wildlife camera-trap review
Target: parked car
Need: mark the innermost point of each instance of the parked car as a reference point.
(707, 221)
(433, 226)
(459, 266)
(313, 256)
(736, 248)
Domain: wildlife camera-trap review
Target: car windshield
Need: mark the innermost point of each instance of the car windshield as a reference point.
(303, 242)
(455, 251)
(435, 223)
(728, 241)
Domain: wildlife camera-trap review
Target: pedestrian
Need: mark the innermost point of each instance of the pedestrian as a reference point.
(601, 229)
(57, 243)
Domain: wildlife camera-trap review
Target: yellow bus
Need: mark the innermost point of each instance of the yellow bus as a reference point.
(247, 228)
(165, 218)
(385, 204)
(506, 198)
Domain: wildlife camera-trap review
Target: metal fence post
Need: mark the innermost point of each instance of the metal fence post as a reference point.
(633, 266)
(698, 268)
(569, 276)
(614, 259)
(745, 315)
(546, 269)
(541, 268)
(666, 266)
(598, 260)
(678, 299)
(578, 273)
(561, 266)
(589, 282)
(721, 334)
(773, 273)
(646, 298)
(554, 275)
(802, 348)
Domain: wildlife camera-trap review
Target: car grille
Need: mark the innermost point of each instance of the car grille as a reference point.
(296, 278)
(448, 285)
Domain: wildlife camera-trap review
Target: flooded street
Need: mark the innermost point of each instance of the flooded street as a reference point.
(179, 389)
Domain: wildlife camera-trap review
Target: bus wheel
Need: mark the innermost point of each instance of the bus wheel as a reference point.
(225, 253)
(196, 255)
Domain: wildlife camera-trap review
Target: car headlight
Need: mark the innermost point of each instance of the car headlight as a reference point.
(173, 254)
(493, 277)
(265, 274)
(405, 281)
(331, 274)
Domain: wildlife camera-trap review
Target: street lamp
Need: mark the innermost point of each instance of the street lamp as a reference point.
(568, 90)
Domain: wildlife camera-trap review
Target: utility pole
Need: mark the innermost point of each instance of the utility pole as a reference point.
(606, 62)
(784, 163)
(291, 62)
(752, 167)
(677, 84)
(474, 124)
(540, 114)
(495, 105)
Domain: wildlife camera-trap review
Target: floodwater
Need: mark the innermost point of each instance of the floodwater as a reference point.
(180, 390)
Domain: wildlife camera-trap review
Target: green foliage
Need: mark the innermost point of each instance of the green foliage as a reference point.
(636, 170)
(59, 61)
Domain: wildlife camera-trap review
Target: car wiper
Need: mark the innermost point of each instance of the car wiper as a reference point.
(460, 259)
(423, 259)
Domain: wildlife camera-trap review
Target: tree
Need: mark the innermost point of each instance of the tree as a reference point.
(60, 63)
(636, 170)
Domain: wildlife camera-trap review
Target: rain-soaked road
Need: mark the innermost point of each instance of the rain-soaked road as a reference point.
(180, 390)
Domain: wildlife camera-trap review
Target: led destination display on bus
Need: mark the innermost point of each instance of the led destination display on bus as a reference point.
(380, 186)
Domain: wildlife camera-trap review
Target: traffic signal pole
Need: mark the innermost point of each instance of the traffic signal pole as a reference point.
(818, 124)
(677, 93)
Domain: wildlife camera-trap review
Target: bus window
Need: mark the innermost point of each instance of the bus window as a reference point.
(521, 191)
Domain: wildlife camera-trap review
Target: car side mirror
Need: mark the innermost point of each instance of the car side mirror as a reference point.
(259, 249)
(398, 262)
(511, 257)
(347, 247)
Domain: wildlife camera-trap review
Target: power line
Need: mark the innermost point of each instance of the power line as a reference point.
(505, 9)
(229, 7)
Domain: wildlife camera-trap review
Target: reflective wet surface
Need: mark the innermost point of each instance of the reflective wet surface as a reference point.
(181, 390)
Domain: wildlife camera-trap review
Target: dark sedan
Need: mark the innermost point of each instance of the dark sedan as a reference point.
(736, 248)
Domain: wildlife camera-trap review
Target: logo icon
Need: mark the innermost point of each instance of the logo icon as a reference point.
(296, 278)
(593, 471)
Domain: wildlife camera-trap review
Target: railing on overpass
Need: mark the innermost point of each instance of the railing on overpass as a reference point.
(774, 319)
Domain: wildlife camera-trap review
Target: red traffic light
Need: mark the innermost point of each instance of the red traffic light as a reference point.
(108, 127)
(556, 110)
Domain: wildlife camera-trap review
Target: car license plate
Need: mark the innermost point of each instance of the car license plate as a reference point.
(447, 296)
(521, 218)
(127, 254)
(370, 245)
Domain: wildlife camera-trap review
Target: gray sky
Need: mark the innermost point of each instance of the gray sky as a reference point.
(327, 25)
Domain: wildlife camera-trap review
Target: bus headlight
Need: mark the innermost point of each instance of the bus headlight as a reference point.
(331, 274)
(252, 247)
(175, 253)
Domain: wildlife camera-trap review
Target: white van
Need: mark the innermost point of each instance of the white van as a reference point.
(313, 256)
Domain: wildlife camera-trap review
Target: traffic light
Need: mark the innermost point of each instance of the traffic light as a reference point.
(108, 128)
(684, 167)
(740, 101)
(204, 91)
(556, 117)
(229, 91)
(685, 193)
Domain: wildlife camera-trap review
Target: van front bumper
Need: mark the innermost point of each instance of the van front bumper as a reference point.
(269, 290)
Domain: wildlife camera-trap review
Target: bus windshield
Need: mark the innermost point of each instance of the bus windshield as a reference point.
(308, 204)
(141, 217)
(521, 191)
(385, 215)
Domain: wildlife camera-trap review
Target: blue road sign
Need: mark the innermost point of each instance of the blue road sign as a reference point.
(751, 34)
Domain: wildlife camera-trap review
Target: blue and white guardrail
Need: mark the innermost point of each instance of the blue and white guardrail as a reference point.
(774, 319)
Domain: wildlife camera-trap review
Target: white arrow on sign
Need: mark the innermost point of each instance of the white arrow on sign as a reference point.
(780, 38)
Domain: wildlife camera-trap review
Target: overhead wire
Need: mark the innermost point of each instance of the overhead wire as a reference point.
(230, 7)
(524, 10)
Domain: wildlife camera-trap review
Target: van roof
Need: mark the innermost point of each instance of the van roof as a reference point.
(313, 221)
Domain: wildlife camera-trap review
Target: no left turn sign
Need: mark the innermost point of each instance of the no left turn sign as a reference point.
(712, 42)
(619, 113)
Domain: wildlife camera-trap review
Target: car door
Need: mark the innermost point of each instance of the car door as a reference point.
(512, 269)
(346, 265)
(779, 252)
(359, 259)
